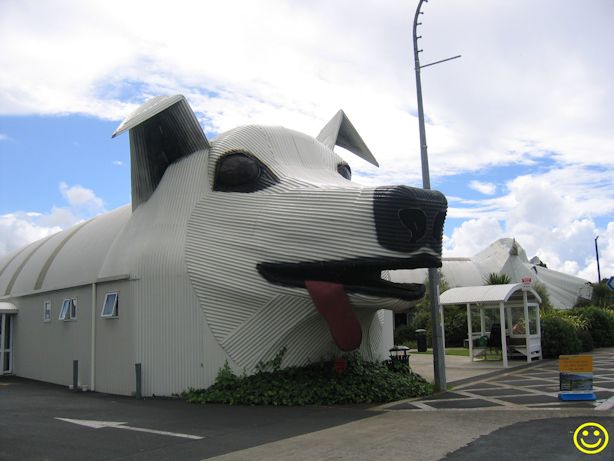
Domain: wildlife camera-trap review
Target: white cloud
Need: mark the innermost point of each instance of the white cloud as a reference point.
(486, 188)
(81, 198)
(21, 228)
(537, 91)
(296, 63)
(60, 217)
(118, 162)
(606, 255)
(551, 215)
(4, 137)
(472, 236)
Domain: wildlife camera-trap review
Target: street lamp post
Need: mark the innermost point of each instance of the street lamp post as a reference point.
(597, 254)
(439, 363)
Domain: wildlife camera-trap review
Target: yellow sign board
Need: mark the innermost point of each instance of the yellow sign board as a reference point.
(576, 363)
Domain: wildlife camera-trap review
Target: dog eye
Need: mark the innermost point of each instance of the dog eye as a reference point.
(236, 170)
(345, 171)
(241, 172)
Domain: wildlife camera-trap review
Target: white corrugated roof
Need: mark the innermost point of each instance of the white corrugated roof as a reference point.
(485, 294)
(68, 258)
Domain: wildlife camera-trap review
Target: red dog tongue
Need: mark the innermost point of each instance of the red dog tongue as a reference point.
(333, 304)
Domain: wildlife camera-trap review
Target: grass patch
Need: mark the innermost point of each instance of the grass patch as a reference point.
(460, 351)
(317, 384)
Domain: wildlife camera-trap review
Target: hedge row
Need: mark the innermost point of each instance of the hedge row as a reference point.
(563, 332)
(577, 330)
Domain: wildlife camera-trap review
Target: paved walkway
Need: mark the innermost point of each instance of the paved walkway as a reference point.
(459, 368)
(521, 386)
(520, 417)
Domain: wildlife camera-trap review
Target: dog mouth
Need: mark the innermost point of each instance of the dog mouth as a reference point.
(329, 282)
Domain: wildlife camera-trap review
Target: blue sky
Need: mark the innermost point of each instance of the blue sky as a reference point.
(519, 129)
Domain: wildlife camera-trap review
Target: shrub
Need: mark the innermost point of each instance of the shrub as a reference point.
(542, 291)
(573, 317)
(455, 324)
(586, 340)
(602, 296)
(559, 337)
(316, 384)
(600, 324)
(404, 334)
(497, 279)
(419, 317)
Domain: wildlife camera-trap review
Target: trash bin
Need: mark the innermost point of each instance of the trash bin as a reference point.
(421, 339)
(400, 353)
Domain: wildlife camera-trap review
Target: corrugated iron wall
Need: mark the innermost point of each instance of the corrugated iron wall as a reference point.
(171, 338)
(195, 298)
(312, 215)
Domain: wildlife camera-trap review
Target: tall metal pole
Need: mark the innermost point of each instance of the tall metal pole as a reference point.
(598, 268)
(439, 360)
(426, 178)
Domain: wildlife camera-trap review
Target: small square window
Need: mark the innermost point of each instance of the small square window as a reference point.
(47, 311)
(69, 310)
(111, 305)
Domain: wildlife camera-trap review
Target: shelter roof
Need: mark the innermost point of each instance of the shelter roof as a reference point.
(486, 294)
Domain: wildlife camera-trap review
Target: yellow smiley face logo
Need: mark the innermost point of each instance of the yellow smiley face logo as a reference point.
(591, 438)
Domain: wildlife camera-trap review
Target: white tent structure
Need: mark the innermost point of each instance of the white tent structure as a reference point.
(505, 256)
(519, 334)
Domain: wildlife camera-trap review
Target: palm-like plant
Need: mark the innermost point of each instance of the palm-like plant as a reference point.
(497, 279)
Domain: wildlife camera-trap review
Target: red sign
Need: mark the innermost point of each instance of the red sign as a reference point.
(341, 365)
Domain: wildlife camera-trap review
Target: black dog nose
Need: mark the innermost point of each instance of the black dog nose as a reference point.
(408, 219)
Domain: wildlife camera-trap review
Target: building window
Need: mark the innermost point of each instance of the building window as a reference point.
(69, 310)
(110, 308)
(47, 311)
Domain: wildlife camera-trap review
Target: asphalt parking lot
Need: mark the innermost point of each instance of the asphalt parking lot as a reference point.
(30, 430)
(512, 414)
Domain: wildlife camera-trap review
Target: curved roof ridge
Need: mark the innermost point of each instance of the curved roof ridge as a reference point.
(43, 272)
(41, 242)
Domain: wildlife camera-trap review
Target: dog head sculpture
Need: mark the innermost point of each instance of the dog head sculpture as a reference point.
(284, 249)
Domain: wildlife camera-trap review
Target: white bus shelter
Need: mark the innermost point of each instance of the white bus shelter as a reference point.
(518, 307)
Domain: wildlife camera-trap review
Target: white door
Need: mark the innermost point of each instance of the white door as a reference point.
(6, 344)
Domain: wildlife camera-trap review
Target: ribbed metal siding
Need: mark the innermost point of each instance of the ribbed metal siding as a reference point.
(6, 261)
(84, 253)
(13, 263)
(158, 142)
(193, 256)
(69, 258)
(24, 277)
(312, 215)
(45, 268)
(171, 338)
(45, 350)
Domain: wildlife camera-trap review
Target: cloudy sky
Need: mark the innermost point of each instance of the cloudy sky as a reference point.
(520, 129)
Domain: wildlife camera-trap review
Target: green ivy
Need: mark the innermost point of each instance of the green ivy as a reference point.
(316, 384)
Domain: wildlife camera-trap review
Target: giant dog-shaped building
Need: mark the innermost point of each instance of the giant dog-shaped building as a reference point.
(230, 251)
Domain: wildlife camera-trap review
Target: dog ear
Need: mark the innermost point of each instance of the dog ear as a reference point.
(162, 130)
(340, 132)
